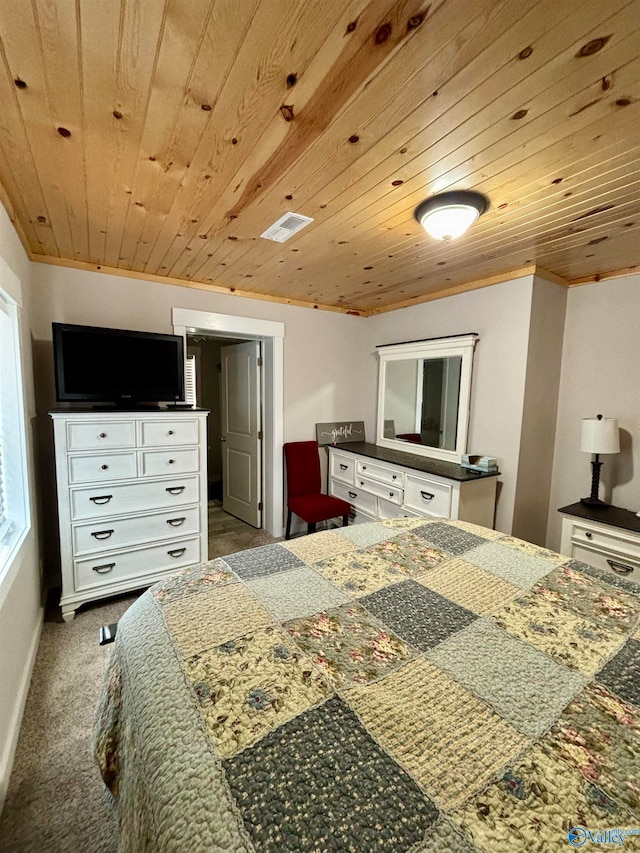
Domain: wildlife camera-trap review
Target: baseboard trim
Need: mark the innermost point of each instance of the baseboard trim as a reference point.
(9, 751)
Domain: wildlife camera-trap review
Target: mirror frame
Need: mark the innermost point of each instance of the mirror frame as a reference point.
(457, 345)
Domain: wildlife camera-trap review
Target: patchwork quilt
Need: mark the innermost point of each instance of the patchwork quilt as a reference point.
(405, 685)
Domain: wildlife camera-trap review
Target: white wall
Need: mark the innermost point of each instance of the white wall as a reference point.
(500, 314)
(20, 593)
(600, 374)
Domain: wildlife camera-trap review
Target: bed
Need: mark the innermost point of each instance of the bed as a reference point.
(406, 685)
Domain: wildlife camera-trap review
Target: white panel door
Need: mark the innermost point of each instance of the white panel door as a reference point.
(241, 426)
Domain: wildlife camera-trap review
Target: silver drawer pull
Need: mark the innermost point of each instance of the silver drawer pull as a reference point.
(102, 570)
(104, 467)
(588, 534)
(175, 490)
(427, 496)
(620, 568)
(353, 495)
(101, 499)
(102, 435)
(177, 552)
(176, 522)
(343, 467)
(102, 534)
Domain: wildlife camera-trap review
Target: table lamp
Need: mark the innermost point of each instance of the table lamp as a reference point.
(599, 435)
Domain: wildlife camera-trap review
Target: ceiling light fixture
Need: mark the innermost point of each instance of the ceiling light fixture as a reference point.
(448, 215)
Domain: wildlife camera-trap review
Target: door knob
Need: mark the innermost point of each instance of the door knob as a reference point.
(222, 438)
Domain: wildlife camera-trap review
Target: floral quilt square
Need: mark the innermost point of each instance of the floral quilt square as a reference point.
(587, 596)
(454, 540)
(312, 549)
(407, 523)
(622, 673)
(470, 586)
(248, 686)
(359, 572)
(534, 805)
(199, 622)
(599, 735)
(570, 639)
(349, 645)
(266, 560)
(408, 553)
(299, 592)
(192, 580)
(321, 783)
(476, 529)
(513, 565)
(523, 685)
(417, 614)
(450, 741)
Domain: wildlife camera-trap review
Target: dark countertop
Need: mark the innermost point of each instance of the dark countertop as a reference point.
(132, 410)
(613, 515)
(411, 460)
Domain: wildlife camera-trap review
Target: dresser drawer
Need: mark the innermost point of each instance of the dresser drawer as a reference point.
(616, 540)
(118, 533)
(391, 510)
(357, 497)
(613, 564)
(98, 435)
(383, 473)
(343, 468)
(119, 566)
(98, 502)
(155, 462)
(389, 493)
(428, 497)
(102, 467)
(167, 433)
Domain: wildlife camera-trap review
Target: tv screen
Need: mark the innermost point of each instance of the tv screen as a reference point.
(117, 365)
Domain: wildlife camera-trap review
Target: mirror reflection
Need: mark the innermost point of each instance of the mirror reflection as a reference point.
(421, 401)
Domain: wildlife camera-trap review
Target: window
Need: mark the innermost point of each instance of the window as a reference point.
(14, 515)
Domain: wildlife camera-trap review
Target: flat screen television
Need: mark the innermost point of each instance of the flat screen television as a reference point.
(120, 366)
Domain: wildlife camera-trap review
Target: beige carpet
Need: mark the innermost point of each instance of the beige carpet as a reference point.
(56, 800)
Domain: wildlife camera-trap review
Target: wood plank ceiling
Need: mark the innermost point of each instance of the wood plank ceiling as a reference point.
(163, 136)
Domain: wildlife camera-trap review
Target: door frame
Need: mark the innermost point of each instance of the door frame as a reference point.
(271, 333)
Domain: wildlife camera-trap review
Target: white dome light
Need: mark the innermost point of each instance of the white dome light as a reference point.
(448, 215)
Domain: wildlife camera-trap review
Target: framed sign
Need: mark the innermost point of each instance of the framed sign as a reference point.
(339, 432)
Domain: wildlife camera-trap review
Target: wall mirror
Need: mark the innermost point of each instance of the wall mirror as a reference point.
(424, 389)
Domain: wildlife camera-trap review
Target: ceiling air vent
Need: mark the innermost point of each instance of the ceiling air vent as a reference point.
(286, 227)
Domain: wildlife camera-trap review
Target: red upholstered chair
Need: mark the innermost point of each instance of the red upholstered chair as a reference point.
(304, 497)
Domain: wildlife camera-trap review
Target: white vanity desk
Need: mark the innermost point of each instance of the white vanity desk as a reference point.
(381, 483)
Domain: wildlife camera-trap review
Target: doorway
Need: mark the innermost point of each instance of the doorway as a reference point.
(270, 334)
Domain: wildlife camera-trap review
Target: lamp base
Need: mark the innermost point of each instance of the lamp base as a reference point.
(594, 502)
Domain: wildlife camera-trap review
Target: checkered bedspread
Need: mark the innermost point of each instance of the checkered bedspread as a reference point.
(407, 685)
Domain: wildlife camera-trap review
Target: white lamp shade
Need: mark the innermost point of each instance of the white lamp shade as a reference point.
(600, 435)
(447, 223)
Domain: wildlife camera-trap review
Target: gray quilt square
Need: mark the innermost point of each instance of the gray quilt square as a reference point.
(523, 685)
(367, 534)
(299, 592)
(266, 560)
(514, 566)
(618, 581)
(420, 616)
(622, 674)
(320, 782)
(443, 536)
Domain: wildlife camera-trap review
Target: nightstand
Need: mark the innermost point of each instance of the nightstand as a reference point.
(605, 537)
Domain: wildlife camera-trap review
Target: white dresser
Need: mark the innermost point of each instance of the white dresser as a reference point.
(132, 499)
(379, 483)
(607, 538)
